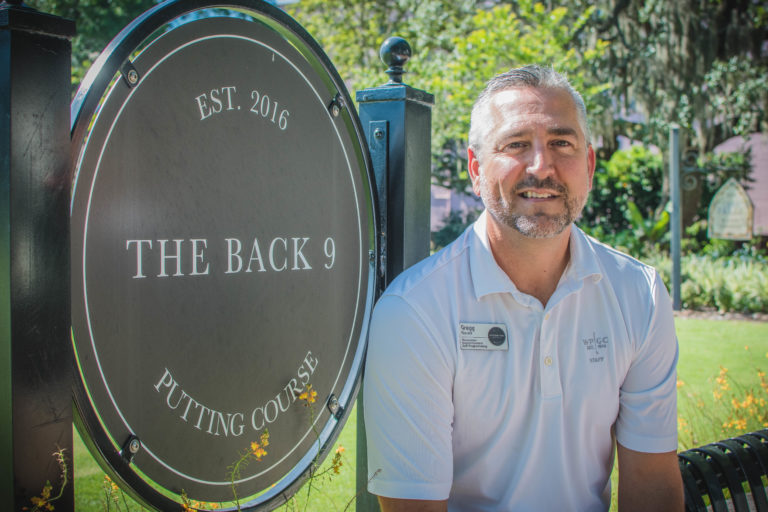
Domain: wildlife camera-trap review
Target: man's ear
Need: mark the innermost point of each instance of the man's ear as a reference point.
(473, 165)
(591, 163)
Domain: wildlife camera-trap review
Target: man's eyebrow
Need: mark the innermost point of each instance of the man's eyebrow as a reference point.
(515, 134)
(562, 130)
(555, 130)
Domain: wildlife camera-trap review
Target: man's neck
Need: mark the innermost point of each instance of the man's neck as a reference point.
(535, 265)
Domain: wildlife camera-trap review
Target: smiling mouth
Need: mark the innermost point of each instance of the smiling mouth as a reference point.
(529, 194)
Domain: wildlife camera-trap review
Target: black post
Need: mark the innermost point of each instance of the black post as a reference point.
(397, 120)
(35, 349)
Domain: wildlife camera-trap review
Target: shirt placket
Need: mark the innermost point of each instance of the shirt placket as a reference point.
(549, 364)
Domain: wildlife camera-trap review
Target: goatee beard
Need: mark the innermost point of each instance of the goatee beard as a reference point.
(537, 225)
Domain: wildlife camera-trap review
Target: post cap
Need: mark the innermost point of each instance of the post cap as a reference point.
(395, 52)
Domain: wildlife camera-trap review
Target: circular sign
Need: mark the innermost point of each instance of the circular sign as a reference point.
(222, 240)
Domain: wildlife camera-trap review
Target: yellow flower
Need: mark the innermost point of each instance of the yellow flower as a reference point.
(309, 396)
(746, 347)
(196, 505)
(257, 450)
(42, 501)
(37, 501)
(680, 383)
(336, 463)
(265, 438)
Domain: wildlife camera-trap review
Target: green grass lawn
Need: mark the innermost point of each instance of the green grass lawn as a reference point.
(330, 493)
(705, 347)
(741, 348)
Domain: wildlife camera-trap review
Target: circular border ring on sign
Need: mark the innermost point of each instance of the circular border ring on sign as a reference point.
(113, 65)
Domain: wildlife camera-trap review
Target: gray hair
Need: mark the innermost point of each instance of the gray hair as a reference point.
(527, 76)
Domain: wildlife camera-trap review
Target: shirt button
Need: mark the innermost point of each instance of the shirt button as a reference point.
(548, 361)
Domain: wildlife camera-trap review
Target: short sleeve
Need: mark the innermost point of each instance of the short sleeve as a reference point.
(408, 407)
(647, 420)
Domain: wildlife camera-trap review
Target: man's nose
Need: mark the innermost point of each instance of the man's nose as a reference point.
(540, 162)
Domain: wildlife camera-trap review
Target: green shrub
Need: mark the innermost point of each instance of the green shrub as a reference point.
(455, 224)
(727, 284)
(633, 175)
(627, 208)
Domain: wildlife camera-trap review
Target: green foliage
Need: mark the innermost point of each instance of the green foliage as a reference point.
(628, 210)
(455, 224)
(457, 47)
(702, 65)
(648, 230)
(497, 39)
(97, 23)
(625, 207)
(633, 175)
(726, 284)
(737, 88)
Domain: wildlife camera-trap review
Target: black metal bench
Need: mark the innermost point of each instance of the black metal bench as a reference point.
(738, 464)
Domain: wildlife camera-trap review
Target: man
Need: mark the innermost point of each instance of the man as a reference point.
(505, 371)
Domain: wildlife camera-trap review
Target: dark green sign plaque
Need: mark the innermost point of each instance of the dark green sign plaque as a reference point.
(223, 235)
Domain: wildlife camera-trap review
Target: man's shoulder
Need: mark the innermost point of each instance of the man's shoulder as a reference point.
(636, 288)
(440, 269)
(618, 266)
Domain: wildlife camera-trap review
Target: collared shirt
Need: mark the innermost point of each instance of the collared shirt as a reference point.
(477, 393)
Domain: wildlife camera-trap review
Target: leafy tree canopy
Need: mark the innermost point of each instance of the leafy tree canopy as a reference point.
(700, 63)
(457, 46)
(97, 23)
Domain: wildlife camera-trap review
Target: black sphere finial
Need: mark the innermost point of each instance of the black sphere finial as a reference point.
(395, 52)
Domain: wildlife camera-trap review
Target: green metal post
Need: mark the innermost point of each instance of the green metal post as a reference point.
(397, 120)
(677, 216)
(35, 351)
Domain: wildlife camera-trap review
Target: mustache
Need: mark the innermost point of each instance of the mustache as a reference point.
(547, 183)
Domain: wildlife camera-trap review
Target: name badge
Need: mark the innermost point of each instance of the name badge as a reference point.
(483, 336)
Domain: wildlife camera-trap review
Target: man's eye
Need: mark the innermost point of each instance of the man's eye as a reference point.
(514, 145)
(561, 143)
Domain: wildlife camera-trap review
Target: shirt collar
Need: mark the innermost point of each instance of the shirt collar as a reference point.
(488, 277)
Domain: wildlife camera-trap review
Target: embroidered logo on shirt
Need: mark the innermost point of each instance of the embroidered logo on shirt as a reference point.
(474, 336)
(596, 347)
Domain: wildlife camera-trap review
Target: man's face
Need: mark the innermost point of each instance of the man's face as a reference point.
(535, 167)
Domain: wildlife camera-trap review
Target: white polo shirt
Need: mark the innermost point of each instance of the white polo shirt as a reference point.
(475, 393)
